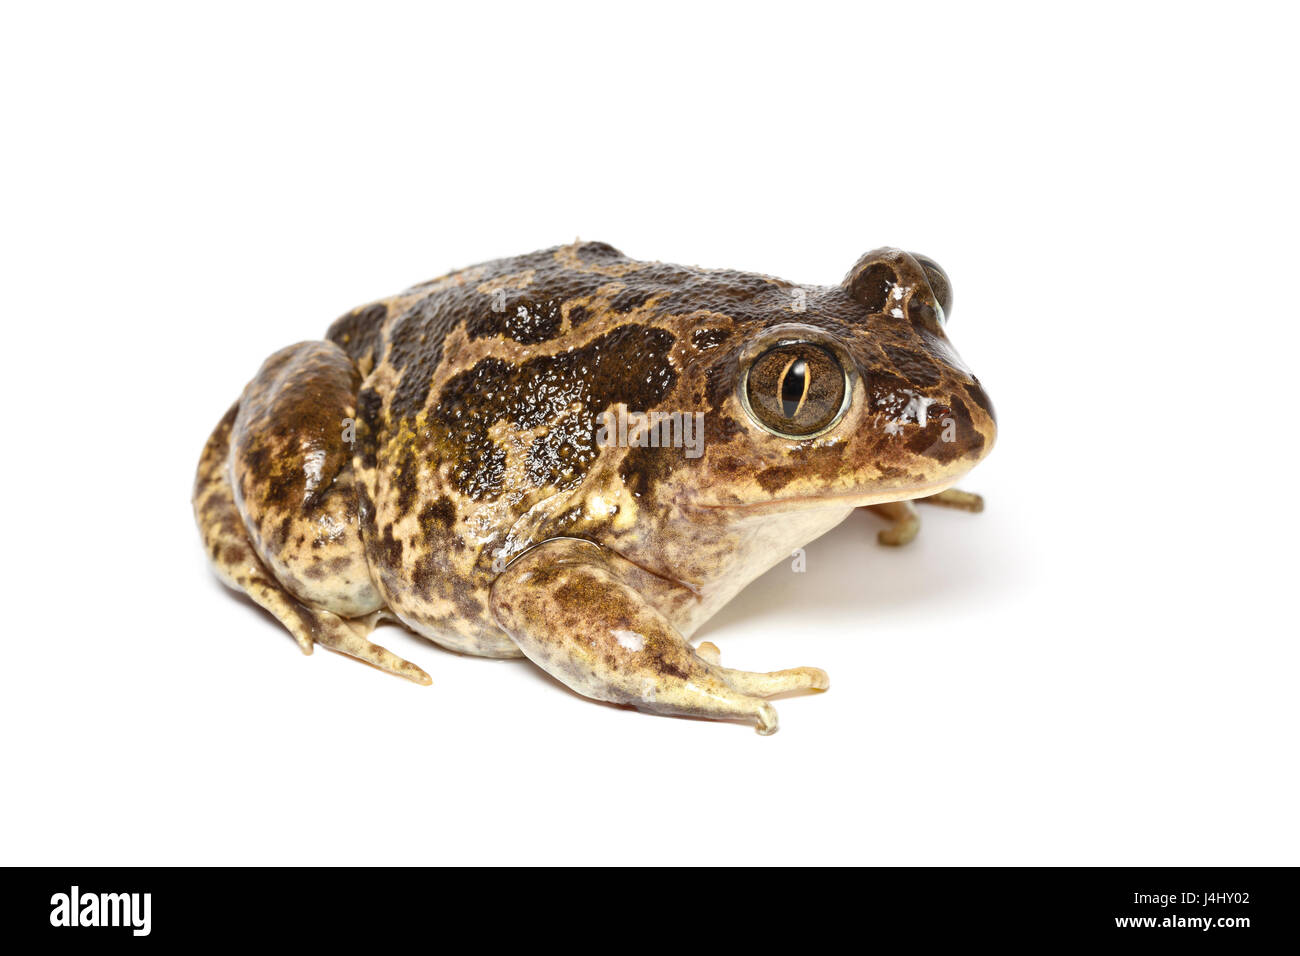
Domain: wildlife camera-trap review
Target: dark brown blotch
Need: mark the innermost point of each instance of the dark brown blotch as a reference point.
(629, 300)
(545, 390)
(918, 368)
(928, 442)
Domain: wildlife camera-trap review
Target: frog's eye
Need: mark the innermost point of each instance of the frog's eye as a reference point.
(879, 279)
(939, 283)
(796, 390)
(922, 312)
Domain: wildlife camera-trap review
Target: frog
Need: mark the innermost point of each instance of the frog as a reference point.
(578, 458)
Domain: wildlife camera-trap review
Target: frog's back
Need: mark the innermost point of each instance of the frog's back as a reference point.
(561, 293)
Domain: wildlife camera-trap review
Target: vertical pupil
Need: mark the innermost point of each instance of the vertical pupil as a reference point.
(793, 387)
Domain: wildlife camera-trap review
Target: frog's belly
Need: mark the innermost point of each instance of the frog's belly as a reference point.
(478, 636)
(765, 544)
(751, 549)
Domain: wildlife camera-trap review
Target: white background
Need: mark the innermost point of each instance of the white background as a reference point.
(1100, 669)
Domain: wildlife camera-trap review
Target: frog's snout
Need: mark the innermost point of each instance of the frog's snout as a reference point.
(952, 430)
(982, 403)
(975, 422)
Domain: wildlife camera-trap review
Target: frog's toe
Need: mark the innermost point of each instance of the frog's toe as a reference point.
(759, 684)
(904, 522)
(349, 637)
(767, 720)
(774, 683)
(956, 498)
(897, 535)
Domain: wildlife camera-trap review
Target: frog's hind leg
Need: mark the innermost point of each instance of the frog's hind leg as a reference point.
(236, 563)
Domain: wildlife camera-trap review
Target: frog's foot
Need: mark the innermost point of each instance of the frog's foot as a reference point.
(903, 520)
(348, 636)
(568, 605)
(238, 566)
(760, 684)
(956, 498)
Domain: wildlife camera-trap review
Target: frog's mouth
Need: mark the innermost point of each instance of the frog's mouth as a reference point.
(847, 500)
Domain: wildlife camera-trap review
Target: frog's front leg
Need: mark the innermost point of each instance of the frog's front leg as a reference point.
(904, 522)
(956, 498)
(568, 606)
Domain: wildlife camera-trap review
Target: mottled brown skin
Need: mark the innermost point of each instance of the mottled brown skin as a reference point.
(475, 505)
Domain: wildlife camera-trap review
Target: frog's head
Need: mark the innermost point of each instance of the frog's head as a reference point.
(849, 394)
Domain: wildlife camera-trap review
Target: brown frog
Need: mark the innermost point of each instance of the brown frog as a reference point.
(577, 457)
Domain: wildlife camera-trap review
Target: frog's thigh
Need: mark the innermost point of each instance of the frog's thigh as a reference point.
(567, 605)
(291, 470)
(226, 541)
